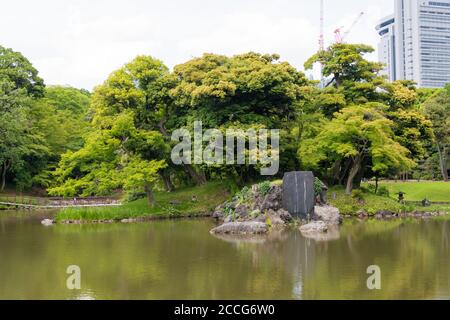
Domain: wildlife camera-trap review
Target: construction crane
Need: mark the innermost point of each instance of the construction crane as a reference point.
(338, 32)
(322, 19)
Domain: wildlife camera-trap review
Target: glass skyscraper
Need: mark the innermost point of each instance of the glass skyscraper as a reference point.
(415, 42)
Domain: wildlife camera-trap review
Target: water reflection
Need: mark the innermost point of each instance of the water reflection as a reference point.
(181, 260)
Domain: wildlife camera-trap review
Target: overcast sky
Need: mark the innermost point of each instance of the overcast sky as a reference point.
(80, 42)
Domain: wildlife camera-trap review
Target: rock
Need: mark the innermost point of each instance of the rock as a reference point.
(228, 219)
(217, 214)
(242, 228)
(328, 214)
(298, 193)
(284, 215)
(261, 218)
(273, 200)
(275, 219)
(241, 210)
(362, 214)
(333, 233)
(426, 215)
(48, 222)
(314, 227)
(384, 214)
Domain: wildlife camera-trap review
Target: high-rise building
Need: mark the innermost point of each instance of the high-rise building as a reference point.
(415, 42)
(386, 47)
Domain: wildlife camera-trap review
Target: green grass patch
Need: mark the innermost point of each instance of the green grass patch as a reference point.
(174, 204)
(417, 191)
(372, 203)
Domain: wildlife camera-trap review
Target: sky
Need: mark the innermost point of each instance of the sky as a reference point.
(80, 42)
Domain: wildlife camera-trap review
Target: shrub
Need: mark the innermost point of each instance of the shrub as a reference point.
(133, 196)
(243, 195)
(264, 187)
(370, 188)
(383, 191)
(358, 194)
(318, 185)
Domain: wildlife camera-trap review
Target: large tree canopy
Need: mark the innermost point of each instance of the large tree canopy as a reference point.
(248, 88)
(358, 136)
(14, 67)
(354, 125)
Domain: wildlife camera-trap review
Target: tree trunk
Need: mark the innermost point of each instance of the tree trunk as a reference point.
(443, 162)
(3, 177)
(343, 174)
(5, 168)
(376, 184)
(336, 171)
(359, 176)
(168, 185)
(198, 179)
(150, 196)
(356, 166)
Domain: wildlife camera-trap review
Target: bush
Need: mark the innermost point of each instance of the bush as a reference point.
(369, 188)
(318, 185)
(243, 195)
(133, 196)
(358, 194)
(383, 191)
(264, 187)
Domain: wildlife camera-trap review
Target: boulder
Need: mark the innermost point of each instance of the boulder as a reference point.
(275, 218)
(328, 214)
(384, 214)
(285, 216)
(217, 214)
(228, 219)
(273, 199)
(48, 222)
(333, 233)
(314, 227)
(241, 210)
(242, 228)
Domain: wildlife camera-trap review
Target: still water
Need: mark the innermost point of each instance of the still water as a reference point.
(181, 260)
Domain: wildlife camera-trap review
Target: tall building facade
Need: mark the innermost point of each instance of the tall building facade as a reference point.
(386, 47)
(415, 42)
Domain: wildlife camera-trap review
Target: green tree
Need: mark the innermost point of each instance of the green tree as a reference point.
(109, 159)
(360, 135)
(139, 173)
(346, 68)
(437, 108)
(18, 141)
(242, 91)
(15, 68)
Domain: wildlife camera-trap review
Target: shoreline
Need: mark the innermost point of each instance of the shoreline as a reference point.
(379, 217)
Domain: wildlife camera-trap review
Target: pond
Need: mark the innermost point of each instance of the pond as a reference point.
(179, 259)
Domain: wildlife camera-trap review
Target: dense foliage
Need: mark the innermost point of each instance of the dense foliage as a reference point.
(355, 125)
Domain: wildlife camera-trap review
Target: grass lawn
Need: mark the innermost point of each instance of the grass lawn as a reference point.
(372, 203)
(175, 204)
(417, 191)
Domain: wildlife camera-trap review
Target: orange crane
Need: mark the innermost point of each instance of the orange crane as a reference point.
(338, 32)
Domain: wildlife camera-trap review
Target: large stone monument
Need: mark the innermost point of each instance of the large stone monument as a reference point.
(298, 194)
